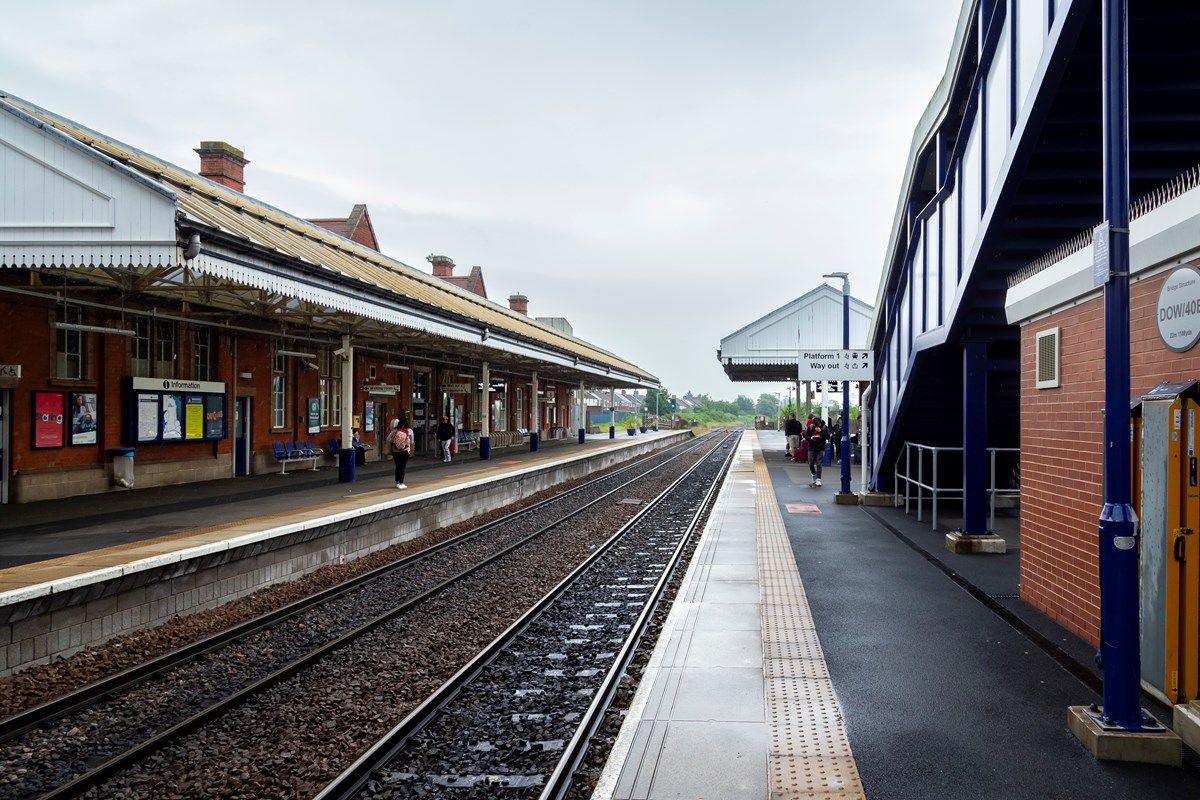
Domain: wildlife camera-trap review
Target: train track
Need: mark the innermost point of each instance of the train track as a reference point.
(521, 715)
(67, 747)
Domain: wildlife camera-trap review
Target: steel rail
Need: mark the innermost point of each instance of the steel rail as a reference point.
(351, 781)
(110, 767)
(103, 688)
(559, 783)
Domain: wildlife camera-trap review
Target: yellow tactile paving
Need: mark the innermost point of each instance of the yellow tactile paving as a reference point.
(810, 753)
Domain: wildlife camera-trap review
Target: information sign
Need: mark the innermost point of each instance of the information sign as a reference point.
(836, 365)
(147, 417)
(1101, 269)
(314, 414)
(194, 416)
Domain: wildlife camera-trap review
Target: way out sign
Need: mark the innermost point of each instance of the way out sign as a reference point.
(836, 365)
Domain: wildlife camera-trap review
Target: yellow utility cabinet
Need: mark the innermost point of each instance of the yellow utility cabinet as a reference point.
(1169, 510)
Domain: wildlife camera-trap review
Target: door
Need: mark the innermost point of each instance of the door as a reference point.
(420, 412)
(4, 451)
(241, 437)
(381, 429)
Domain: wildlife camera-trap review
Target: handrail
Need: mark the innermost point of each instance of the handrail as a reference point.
(935, 490)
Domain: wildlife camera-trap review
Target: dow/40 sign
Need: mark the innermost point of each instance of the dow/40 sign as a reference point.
(1178, 312)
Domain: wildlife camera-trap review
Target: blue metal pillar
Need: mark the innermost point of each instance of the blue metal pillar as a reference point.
(845, 389)
(1118, 523)
(975, 467)
(582, 413)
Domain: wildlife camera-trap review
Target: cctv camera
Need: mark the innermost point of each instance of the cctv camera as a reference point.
(310, 365)
(341, 351)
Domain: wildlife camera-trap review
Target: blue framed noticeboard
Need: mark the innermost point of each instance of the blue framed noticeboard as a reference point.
(166, 410)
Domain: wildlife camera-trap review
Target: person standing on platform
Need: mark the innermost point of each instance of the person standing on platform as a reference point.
(793, 430)
(445, 435)
(835, 436)
(815, 434)
(400, 444)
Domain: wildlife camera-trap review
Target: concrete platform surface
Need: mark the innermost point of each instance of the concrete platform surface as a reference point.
(880, 676)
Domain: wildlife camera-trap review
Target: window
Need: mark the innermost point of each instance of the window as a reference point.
(139, 360)
(153, 351)
(331, 388)
(164, 349)
(70, 347)
(279, 390)
(202, 366)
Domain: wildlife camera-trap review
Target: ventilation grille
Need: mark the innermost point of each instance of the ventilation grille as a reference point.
(1047, 359)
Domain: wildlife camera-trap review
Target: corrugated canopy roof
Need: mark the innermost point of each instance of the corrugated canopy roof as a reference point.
(347, 263)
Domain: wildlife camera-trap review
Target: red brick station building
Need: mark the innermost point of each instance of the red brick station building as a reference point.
(152, 311)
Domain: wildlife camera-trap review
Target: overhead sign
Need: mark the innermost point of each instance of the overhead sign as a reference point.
(381, 388)
(836, 365)
(457, 388)
(1178, 311)
(173, 385)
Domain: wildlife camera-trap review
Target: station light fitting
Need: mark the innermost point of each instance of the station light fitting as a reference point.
(71, 326)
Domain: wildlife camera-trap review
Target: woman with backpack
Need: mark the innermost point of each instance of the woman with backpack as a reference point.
(400, 442)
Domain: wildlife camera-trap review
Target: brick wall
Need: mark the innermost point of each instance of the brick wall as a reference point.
(1061, 451)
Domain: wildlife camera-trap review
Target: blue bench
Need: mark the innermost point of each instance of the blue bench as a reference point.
(287, 453)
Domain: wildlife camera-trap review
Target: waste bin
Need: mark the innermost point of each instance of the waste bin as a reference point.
(122, 466)
(828, 459)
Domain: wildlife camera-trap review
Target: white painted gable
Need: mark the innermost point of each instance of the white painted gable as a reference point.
(64, 204)
(810, 322)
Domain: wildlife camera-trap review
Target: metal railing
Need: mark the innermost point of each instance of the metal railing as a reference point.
(938, 471)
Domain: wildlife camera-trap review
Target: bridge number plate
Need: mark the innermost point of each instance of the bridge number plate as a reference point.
(1178, 311)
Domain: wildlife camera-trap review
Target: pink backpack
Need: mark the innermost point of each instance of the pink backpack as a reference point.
(400, 439)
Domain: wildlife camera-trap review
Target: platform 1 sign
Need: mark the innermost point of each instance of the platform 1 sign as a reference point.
(836, 365)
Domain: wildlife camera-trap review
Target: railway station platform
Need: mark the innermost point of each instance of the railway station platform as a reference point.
(814, 650)
(819, 650)
(78, 571)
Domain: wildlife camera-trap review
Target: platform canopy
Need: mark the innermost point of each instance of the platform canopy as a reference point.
(768, 349)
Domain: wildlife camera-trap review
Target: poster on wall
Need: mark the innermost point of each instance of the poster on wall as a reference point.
(147, 417)
(369, 416)
(47, 419)
(84, 418)
(314, 414)
(172, 417)
(193, 416)
(214, 416)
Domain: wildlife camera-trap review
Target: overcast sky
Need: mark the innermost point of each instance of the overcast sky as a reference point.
(660, 173)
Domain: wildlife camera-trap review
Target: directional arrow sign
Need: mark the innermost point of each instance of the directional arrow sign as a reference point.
(836, 365)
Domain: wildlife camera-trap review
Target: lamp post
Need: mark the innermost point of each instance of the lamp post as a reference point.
(845, 443)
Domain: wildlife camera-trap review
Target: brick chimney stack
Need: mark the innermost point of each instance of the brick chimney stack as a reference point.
(443, 267)
(224, 164)
(519, 303)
